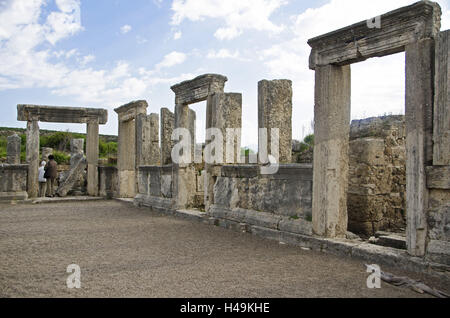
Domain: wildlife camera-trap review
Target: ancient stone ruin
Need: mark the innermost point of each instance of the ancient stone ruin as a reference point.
(377, 174)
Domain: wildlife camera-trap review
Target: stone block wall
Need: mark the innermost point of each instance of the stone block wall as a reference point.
(281, 201)
(108, 181)
(13, 182)
(155, 187)
(377, 175)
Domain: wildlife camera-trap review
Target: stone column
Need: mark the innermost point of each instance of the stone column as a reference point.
(184, 177)
(167, 126)
(126, 162)
(92, 153)
(33, 158)
(419, 123)
(147, 140)
(192, 130)
(13, 149)
(46, 152)
(331, 129)
(225, 111)
(442, 101)
(275, 111)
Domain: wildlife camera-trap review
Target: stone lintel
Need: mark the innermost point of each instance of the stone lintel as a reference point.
(61, 114)
(359, 42)
(131, 110)
(198, 89)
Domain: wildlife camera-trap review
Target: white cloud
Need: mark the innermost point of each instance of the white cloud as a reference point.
(26, 63)
(141, 40)
(177, 35)
(223, 54)
(65, 23)
(125, 29)
(377, 84)
(238, 15)
(171, 59)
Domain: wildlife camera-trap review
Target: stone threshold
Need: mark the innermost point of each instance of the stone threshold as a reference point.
(371, 253)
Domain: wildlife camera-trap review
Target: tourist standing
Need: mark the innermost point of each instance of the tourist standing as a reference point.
(42, 180)
(51, 173)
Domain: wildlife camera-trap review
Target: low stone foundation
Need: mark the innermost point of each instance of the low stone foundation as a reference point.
(13, 184)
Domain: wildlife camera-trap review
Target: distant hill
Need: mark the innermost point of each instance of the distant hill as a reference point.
(8, 131)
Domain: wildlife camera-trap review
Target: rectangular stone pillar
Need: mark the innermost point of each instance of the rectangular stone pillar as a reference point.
(13, 149)
(441, 136)
(92, 153)
(147, 140)
(225, 111)
(33, 157)
(192, 130)
(275, 111)
(167, 126)
(331, 129)
(126, 162)
(419, 123)
(184, 176)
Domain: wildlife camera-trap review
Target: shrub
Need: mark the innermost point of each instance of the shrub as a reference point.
(61, 158)
(107, 149)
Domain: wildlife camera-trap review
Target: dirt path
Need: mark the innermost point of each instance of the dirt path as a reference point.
(129, 252)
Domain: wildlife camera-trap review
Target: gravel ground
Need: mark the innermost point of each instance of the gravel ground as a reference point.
(125, 251)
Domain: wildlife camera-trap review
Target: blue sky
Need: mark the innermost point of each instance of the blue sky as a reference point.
(105, 53)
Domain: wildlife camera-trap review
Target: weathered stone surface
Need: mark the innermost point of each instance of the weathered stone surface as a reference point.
(132, 126)
(147, 142)
(166, 186)
(227, 113)
(74, 175)
(331, 118)
(438, 177)
(167, 126)
(439, 215)
(92, 158)
(13, 178)
(108, 181)
(377, 176)
(33, 158)
(198, 89)
(419, 132)
(46, 151)
(131, 110)
(61, 114)
(282, 194)
(76, 148)
(13, 149)
(359, 42)
(441, 135)
(439, 252)
(275, 111)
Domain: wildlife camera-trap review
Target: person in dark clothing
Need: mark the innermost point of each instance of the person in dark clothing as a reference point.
(51, 173)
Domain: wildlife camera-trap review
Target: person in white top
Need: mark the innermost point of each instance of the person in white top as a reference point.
(42, 180)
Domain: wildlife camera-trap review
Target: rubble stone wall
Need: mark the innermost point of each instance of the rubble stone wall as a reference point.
(377, 175)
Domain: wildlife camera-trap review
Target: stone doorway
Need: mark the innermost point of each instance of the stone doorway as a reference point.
(414, 30)
(33, 114)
